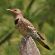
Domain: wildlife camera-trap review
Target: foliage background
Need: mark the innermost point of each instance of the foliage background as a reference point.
(40, 12)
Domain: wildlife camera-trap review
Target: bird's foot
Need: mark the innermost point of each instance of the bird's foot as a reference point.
(24, 40)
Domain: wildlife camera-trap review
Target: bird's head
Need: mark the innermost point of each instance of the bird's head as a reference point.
(15, 11)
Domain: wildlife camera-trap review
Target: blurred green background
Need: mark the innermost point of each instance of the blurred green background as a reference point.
(40, 12)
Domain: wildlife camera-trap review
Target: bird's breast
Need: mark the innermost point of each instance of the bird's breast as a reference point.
(22, 28)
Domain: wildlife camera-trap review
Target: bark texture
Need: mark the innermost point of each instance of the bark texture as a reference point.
(29, 48)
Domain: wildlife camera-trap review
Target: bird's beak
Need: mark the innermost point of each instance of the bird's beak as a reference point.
(9, 9)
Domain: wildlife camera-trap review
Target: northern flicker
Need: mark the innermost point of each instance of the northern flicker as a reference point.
(26, 28)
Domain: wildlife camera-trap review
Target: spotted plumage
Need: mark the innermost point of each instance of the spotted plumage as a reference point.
(26, 28)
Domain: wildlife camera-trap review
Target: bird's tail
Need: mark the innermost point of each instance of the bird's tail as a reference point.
(43, 44)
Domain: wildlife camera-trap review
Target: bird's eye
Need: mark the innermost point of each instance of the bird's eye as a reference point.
(14, 10)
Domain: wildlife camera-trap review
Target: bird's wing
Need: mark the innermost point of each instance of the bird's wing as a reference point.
(31, 28)
(40, 36)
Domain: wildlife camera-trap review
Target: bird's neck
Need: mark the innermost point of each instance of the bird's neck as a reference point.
(19, 16)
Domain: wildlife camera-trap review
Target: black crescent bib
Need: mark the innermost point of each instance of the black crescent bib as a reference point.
(16, 21)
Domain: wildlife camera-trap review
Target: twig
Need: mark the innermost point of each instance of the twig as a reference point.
(6, 36)
(29, 6)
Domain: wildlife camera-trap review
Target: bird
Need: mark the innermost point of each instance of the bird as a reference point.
(26, 28)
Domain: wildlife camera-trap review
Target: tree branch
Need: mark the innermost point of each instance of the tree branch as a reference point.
(29, 48)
